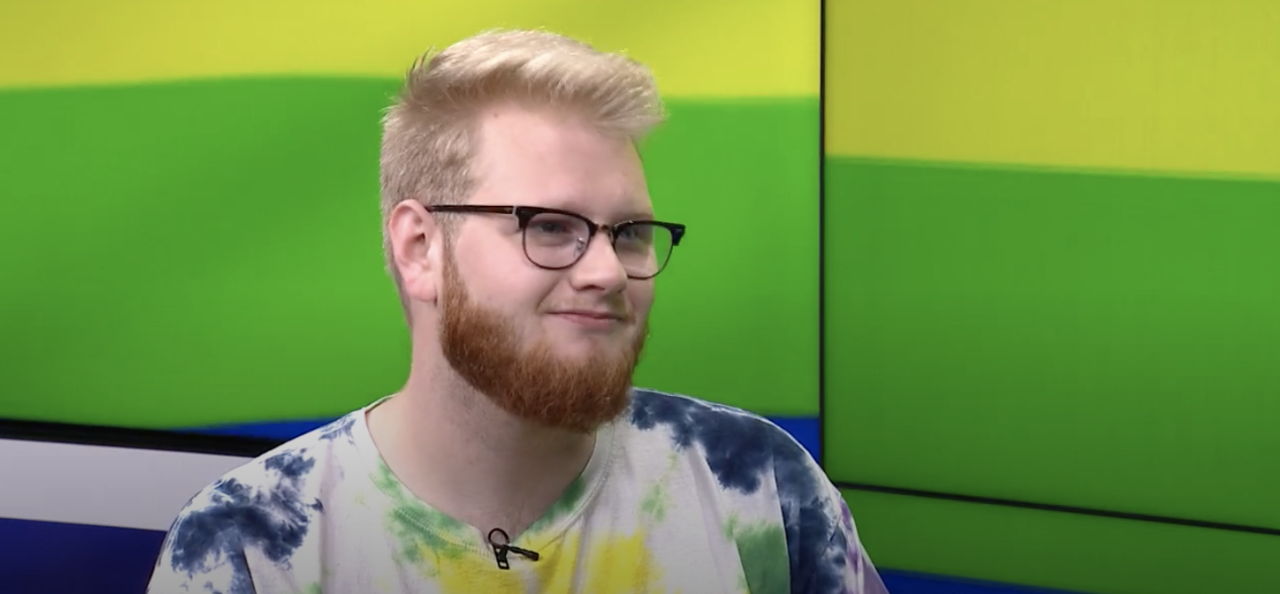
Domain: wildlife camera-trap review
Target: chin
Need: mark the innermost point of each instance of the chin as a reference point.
(582, 346)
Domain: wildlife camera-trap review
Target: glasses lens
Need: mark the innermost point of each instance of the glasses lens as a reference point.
(643, 248)
(555, 240)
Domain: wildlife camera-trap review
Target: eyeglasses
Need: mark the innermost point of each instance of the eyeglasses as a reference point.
(556, 239)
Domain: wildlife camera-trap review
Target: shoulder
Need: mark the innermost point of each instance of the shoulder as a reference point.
(750, 454)
(267, 505)
(742, 448)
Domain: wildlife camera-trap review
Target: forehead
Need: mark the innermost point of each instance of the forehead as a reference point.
(550, 158)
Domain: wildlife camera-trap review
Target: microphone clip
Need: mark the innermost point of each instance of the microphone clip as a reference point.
(501, 544)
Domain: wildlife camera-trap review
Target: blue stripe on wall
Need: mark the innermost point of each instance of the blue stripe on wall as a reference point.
(44, 557)
(279, 430)
(906, 582)
(804, 429)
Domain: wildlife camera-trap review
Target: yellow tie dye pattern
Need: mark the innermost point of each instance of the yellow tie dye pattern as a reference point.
(609, 565)
(474, 572)
(623, 566)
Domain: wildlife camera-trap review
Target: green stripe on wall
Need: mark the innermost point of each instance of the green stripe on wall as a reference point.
(1057, 550)
(208, 252)
(1090, 340)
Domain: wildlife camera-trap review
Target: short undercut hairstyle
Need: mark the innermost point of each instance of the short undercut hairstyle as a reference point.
(430, 135)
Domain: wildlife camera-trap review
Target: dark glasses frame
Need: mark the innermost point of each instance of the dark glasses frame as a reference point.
(525, 214)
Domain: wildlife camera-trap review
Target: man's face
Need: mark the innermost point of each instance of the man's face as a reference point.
(507, 325)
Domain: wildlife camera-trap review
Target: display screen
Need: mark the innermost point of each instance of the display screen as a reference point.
(189, 223)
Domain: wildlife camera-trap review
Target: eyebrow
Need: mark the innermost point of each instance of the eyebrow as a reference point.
(573, 205)
(637, 215)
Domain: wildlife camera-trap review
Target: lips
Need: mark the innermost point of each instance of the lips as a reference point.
(592, 314)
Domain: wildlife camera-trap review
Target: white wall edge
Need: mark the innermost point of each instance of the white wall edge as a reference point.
(103, 486)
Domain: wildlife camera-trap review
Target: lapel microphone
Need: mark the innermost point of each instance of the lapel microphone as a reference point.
(501, 544)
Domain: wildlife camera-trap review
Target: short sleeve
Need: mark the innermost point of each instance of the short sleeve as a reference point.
(826, 554)
(850, 566)
(198, 557)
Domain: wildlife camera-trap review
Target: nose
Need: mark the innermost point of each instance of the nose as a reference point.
(599, 268)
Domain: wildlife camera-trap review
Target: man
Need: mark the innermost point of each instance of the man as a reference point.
(517, 457)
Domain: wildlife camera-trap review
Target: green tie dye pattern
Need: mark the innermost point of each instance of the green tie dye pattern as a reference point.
(417, 527)
(763, 549)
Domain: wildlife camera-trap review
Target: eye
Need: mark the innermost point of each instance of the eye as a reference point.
(636, 233)
(550, 227)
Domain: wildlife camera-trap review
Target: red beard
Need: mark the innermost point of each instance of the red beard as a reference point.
(532, 383)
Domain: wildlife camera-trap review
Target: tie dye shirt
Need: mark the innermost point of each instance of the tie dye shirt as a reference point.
(680, 495)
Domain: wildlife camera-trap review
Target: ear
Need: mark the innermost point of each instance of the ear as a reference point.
(417, 244)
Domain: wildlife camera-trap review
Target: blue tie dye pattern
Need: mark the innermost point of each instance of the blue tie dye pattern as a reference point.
(742, 449)
(274, 521)
(241, 583)
(338, 428)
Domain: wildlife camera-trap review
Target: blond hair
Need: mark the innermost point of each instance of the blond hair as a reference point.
(430, 135)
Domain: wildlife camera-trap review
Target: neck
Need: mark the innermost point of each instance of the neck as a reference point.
(466, 457)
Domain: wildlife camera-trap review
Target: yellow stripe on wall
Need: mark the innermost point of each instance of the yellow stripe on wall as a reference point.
(1158, 85)
(711, 48)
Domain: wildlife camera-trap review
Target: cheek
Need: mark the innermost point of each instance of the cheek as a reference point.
(500, 279)
(517, 293)
(641, 297)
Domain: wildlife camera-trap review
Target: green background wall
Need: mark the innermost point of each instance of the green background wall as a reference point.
(1053, 275)
(189, 229)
